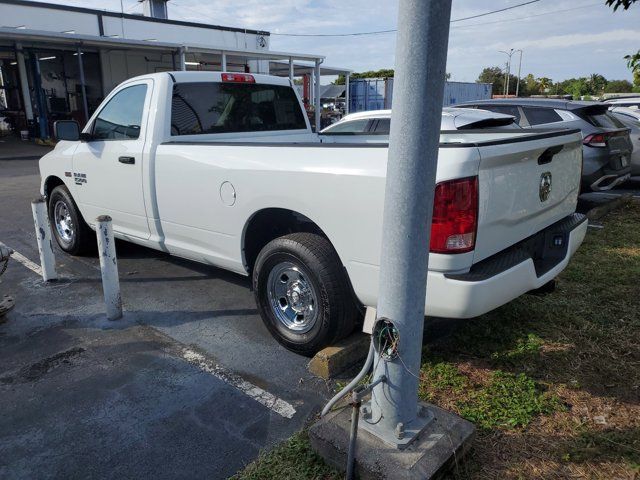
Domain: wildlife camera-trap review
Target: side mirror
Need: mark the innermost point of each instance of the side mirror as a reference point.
(66, 130)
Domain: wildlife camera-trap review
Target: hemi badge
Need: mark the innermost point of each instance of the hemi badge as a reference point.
(67, 174)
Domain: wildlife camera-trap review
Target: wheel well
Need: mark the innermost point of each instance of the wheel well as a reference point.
(272, 223)
(51, 183)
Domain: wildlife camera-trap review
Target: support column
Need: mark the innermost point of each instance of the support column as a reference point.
(105, 66)
(316, 94)
(83, 86)
(223, 65)
(40, 100)
(24, 82)
(347, 98)
(291, 70)
(182, 58)
(421, 57)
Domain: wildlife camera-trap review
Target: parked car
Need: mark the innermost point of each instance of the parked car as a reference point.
(378, 122)
(629, 102)
(606, 143)
(631, 118)
(223, 169)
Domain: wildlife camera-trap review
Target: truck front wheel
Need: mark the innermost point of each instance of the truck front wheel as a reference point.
(302, 292)
(72, 233)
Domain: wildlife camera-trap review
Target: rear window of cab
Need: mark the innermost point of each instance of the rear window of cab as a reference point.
(210, 107)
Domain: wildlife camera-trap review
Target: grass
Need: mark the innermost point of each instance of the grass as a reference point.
(551, 382)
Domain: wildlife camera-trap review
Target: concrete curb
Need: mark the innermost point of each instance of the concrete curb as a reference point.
(336, 359)
(597, 213)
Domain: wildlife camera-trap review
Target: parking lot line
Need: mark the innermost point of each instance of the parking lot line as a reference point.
(267, 399)
(34, 267)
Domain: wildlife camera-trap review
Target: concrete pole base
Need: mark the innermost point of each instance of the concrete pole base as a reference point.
(439, 447)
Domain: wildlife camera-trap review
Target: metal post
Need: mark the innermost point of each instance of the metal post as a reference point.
(182, 58)
(316, 96)
(421, 57)
(508, 73)
(24, 82)
(347, 99)
(43, 236)
(109, 268)
(83, 86)
(519, 67)
(291, 70)
(223, 65)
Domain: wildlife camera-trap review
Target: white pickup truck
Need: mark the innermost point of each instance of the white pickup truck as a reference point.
(223, 169)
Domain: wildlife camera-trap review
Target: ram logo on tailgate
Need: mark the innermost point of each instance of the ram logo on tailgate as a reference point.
(545, 186)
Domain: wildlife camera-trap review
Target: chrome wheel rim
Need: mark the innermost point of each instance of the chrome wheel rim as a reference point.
(63, 222)
(292, 297)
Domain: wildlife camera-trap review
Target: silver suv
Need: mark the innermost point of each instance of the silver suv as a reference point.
(606, 143)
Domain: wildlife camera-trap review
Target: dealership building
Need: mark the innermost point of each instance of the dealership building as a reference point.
(59, 62)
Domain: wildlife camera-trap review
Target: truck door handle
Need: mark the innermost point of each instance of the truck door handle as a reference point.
(127, 160)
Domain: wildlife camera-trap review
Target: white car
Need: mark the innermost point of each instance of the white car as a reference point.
(223, 169)
(378, 122)
(632, 102)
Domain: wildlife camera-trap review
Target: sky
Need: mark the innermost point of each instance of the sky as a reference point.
(560, 39)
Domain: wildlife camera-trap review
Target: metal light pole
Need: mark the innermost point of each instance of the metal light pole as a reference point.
(519, 67)
(421, 56)
(506, 78)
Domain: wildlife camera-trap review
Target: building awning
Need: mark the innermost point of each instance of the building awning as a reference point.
(35, 38)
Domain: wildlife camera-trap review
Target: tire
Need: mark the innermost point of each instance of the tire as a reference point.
(303, 268)
(69, 228)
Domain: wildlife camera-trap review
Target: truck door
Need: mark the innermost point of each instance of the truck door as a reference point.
(108, 164)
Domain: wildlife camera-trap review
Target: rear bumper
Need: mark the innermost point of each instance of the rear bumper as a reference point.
(506, 275)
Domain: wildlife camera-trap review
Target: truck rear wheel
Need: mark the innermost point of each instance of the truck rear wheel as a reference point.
(302, 292)
(69, 228)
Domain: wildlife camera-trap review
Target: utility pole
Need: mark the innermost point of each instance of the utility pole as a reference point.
(393, 416)
(421, 58)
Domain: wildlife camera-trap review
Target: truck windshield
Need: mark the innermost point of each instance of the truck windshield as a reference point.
(208, 107)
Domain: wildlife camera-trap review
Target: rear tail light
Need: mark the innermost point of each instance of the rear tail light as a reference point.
(595, 140)
(455, 216)
(238, 78)
(599, 140)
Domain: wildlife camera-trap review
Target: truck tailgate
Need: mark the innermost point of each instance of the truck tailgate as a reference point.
(526, 184)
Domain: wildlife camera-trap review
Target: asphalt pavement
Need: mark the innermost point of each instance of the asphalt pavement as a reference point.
(188, 385)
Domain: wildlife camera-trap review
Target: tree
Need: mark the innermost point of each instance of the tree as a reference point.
(596, 83)
(496, 77)
(618, 86)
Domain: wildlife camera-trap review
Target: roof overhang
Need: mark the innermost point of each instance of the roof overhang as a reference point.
(36, 38)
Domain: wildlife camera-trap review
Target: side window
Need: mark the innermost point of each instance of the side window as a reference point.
(505, 109)
(383, 126)
(352, 126)
(120, 119)
(541, 115)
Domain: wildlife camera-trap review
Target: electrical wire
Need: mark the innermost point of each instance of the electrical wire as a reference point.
(527, 16)
(378, 32)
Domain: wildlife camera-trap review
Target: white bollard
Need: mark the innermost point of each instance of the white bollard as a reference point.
(43, 235)
(109, 267)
